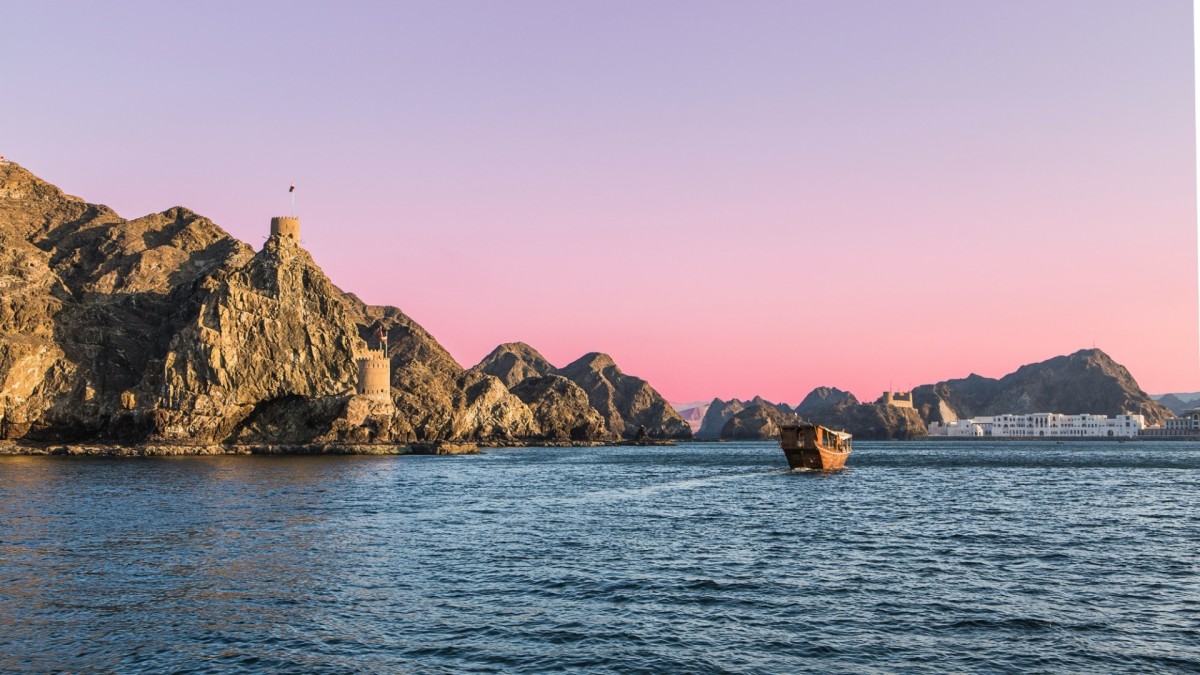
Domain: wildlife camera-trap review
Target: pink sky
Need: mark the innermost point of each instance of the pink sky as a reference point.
(730, 198)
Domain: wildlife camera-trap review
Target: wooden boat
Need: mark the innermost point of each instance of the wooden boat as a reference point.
(812, 446)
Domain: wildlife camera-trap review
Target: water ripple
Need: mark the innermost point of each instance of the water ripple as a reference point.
(924, 557)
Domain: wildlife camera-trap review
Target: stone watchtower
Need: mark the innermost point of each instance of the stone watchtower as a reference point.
(375, 372)
(375, 375)
(287, 226)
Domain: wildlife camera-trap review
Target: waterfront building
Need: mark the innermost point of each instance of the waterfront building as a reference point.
(1188, 421)
(1043, 425)
(1187, 425)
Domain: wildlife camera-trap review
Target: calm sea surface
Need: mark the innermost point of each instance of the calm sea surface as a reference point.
(698, 558)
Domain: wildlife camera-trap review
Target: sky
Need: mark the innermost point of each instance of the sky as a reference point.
(730, 198)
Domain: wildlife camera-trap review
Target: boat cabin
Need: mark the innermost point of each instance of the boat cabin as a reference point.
(814, 436)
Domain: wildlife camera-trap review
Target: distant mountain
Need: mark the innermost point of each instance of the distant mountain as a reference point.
(1088, 381)
(1177, 403)
(1187, 397)
(694, 415)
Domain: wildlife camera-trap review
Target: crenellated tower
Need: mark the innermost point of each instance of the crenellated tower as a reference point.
(287, 226)
(375, 372)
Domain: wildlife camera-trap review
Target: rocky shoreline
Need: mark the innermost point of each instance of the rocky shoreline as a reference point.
(21, 448)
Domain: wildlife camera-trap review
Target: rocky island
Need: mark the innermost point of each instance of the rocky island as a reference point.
(164, 334)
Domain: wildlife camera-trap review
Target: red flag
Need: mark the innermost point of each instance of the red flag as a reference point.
(292, 188)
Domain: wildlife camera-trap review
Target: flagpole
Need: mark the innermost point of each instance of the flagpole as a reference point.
(293, 191)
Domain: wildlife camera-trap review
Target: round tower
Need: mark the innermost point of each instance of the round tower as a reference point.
(287, 226)
(375, 375)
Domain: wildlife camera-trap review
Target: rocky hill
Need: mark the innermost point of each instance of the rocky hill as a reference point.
(622, 403)
(512, 362)
(823, 398)
(719, 412)
(561, 409)
(758, 421)
(166, 329)
(1088, 381)
(870, 421)
(626, 403)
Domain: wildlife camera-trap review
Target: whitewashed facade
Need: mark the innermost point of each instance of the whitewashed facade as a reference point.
(1043, 425)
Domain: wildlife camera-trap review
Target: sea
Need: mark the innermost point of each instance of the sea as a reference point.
(699, 558)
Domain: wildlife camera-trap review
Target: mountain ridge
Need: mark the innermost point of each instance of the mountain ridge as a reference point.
(166, 329)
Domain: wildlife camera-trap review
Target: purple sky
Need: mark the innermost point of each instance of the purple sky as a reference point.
(730, 198)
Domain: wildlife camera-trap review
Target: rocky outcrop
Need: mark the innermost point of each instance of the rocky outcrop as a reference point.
(871, 421)
(624, 402)
(274, 329)
(760, 421)
(1088, 381)
(718, 414)
(561, 409)
(512, 362)
(823, 398)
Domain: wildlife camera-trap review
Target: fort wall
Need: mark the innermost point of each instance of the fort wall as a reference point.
(898, 399)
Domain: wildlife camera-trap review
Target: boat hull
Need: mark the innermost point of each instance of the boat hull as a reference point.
(815, 459)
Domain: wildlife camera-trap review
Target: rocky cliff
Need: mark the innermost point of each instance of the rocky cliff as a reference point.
(625, 403)
(1088, 381)
(166, 329)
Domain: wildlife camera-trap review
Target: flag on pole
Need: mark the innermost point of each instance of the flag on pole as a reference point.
(383, 339)
(292, 188)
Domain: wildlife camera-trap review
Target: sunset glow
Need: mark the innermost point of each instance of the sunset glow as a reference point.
(730, 199)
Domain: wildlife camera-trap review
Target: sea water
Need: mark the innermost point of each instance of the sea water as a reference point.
(949, 556)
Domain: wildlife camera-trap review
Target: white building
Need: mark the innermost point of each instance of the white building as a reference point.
(961, 428)
(1043, 425)
(1188, 421)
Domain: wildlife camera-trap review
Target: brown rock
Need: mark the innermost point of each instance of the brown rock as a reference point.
(512, 362)
(561, 409)
(623, 401)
